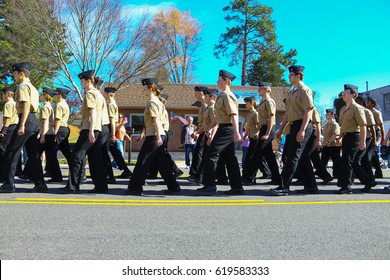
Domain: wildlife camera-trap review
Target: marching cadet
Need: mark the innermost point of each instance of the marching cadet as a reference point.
(47, 135)
(264, 136)
(10, 120)
(152, 149)
(109, 94)
(91, 126)
(380, 133)
(352, 136)
(61, 129)
(222, 144)
(299, 104)
(330, 149)
(26, 132)
(197, 162)
(251, 132)
(362, 162)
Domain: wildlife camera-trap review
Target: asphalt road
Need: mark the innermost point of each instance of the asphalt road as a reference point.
(187, 226)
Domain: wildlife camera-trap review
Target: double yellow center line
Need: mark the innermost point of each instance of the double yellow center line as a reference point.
(176, 202)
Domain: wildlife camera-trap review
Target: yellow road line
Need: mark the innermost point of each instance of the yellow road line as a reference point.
(143, 200)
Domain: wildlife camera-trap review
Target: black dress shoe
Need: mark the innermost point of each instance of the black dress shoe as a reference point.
(111, 180)
(247, 182)
(298, 182)
(83, 180)
(25, 177)
(47, 174)
(194, 180)
(70, 191)
(273, 183)
(7, 188)
(125, 174)
(178, 173)
(280, 191)
(208, 189)
(368, 187)
(343, 191)
(39, 189)
(172, 192)
(235, 191)
(327, 180)
(386, 189)
(307, 191)
(133, 192)
(97, 191)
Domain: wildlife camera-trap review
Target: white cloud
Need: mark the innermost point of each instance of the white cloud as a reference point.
(133, 10)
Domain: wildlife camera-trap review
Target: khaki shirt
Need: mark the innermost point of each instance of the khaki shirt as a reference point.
(202, 109)
(92, 100)
(328, 130)
(225, 105)
(370, 121)
(378, 117)
(316, 116)
(287, 129)
(113, 110)
(105, 117)
(165, 120)
(154, 109)
(47, 114)
(10, 112)
(251, 122)
(351, 118)
(298, 101)
(62, 113)
(209, 116)
(266, 109)
(26, 92)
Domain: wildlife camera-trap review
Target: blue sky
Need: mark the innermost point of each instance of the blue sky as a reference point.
(337, 41)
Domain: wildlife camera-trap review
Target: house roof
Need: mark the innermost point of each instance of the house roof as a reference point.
(181, 96)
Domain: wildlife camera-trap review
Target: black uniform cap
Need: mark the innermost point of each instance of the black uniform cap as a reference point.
(62, 91)
(330, 111)
(265, 84)
(4, 90)
(149, 81)
(110, 89)
(251, 98)
(296, 69)
(98, 81)
(49, 91)
(200, 88)
(87, 74)
(211, 91)
(226, 74)
(349, 86)
(22, 65)
(160, 88)
(369, 98)
(165, 96)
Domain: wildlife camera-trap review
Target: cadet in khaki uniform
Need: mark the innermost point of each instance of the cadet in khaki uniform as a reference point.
(362, 162)
(152, 149)
(47, 134)
(264, 136)
(222, 144)
(61, 129)
(10, 120)
(380, 134)
(109, 94)
(299, 113)
(197, 162)
(251, 132)
(91, 126)
(26, 132)
(352, 135)
(330, 149)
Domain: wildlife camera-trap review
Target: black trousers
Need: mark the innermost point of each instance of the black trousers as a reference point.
(62, 143)
(197, 162)
(248, 158)
(222, 146)
(13, 150)
(294, 154)
(118, 157)
(104, 142)
(148, 154)
(334, 154)
(96, 160)
(49, 147)
(350, 148)
(262, 149)
(4, 143)
(366, 161)
(80, 150)
(361, 173)
(320, 167)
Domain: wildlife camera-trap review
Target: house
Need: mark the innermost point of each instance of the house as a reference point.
(131, 102)
(382, 95)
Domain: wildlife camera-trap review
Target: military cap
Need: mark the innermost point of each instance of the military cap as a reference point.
(200, 88)
(4, 90)
(165, 96)
(296, 69)
(149, 81)
(265, 84)
(369, 98)
(22, 65)
(87, 74)
(251, 98)
(226, 74)
(110, 89)
(341, 94)
(98, 81)
(62, 91)
(49, 91)
(160, 87)
(349, 86)
(330, 111)
(211, 91)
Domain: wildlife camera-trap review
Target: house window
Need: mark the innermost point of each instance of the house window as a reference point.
(136, 121)
(386, 102)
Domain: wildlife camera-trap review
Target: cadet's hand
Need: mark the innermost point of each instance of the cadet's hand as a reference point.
(91, 137)
(159, 142)
(339, 141)
(21, 130)
(237, 137)
(208, 134)
(1, 135)
(256, 136)
(278, 135)
(113, 139)
(362, 145)
(42, 140)
(318, 145)
(300, 136)
(264, 137)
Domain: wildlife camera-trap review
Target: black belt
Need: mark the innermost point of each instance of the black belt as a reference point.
(351, 133)
(225, 124)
